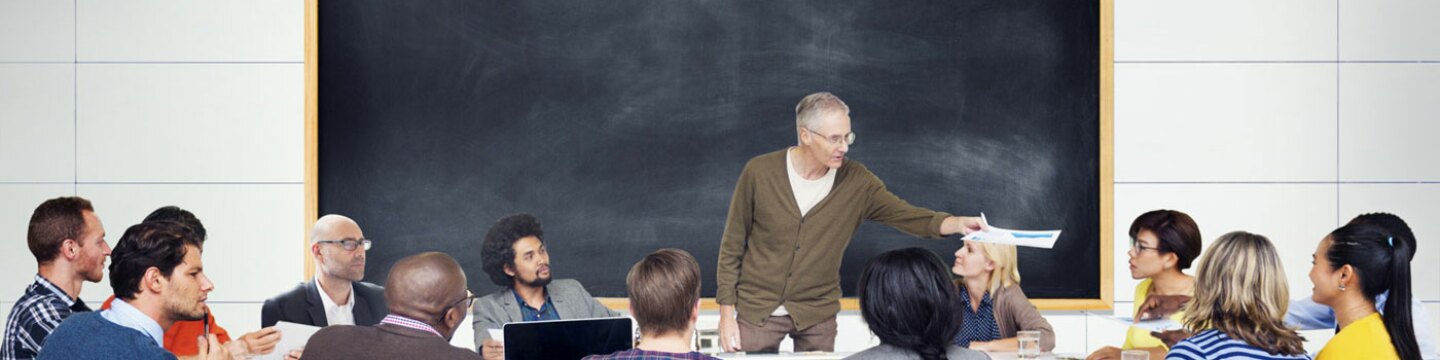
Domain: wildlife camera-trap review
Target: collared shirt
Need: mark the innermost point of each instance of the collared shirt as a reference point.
(979, 325)
(409, 323)
(637, 354)
(43, 307)
(545, 312)
(121, 313)
(337, 314)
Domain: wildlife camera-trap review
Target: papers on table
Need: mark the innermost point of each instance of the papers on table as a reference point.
(1044, 239)
(292, 336)
(1161, 324)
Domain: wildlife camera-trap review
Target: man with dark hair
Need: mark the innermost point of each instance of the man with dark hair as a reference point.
(1306, 314)
(336, 296)
(68, 242)
(514, 256)
(181, 339)
(665, 299)
(427, 298)
(157, 274)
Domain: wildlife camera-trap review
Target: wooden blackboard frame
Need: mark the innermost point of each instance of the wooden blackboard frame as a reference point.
(1107, 169)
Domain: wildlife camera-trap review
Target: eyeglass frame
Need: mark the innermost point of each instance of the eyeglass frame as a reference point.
(1136, 247)
(468, 296)
(348, 244)
(849, 138)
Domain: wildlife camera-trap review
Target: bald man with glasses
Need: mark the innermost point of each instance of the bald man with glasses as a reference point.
(336, 296)
(791, 216)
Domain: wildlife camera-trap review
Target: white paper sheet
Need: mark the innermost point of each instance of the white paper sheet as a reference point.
(497, 334)
(1160, 324)
(292, 336)
(1044, 239)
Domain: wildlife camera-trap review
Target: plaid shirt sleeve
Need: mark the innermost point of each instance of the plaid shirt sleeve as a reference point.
(34, 317)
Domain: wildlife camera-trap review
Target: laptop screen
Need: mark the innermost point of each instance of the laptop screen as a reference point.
(567, 339)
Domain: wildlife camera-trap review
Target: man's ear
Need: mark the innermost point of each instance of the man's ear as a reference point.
(510, 269)
(70, 249)
(315, 251)
(695, 312)
(153, 281)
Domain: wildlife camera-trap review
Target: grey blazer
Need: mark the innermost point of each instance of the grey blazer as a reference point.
(887, 352)
(569, 297)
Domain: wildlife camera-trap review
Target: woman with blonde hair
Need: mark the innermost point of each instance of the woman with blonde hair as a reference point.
(1238, 310)
(995, 309)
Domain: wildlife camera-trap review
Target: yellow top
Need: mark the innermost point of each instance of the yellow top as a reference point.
(1363, 339)
(1139, 338)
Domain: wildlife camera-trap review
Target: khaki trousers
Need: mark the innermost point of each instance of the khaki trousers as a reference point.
(767, 337)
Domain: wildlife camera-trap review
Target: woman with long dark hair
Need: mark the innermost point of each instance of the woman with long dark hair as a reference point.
(1353, 265)
(908, 301)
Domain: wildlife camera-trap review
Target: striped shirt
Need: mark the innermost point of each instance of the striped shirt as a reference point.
(1214, 344)
(637, 354)
(34, 317)
(979, 325)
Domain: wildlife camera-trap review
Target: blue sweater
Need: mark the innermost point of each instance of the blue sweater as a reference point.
(89, 336)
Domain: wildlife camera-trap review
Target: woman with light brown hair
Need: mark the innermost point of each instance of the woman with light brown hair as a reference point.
(1238, 310)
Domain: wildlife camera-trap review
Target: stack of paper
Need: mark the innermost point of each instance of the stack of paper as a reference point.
(1031, 238)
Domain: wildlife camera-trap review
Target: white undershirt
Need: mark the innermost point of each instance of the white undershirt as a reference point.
(337, 314)
(807, 194)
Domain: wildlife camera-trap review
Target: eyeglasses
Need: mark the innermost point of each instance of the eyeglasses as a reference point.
(1137, 247)
(849, 139)
(348, 245)
(468, 300)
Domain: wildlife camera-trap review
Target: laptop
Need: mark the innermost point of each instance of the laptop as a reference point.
(567, 339)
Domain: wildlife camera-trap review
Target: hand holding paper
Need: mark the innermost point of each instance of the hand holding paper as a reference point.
(1031, 238)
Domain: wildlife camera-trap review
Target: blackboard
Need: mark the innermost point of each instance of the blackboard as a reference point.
(624, 125)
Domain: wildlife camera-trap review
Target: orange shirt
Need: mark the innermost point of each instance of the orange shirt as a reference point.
(181, 338)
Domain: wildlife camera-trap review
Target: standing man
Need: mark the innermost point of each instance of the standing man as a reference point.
(515, 257)
(791, 216)
(336, 296)
(68, 242)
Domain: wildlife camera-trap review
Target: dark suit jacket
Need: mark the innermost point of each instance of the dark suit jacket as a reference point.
(302, 305)
(384, 341)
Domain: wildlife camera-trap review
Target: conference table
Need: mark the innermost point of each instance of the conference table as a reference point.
(841, 355)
